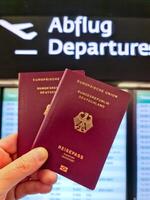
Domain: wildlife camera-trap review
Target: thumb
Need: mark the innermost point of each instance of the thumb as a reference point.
(22, 167)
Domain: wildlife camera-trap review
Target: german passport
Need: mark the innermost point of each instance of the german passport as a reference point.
(35, 93)
(36, 90)
(79, 128)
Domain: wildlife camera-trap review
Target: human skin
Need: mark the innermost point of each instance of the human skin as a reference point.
(22, 176)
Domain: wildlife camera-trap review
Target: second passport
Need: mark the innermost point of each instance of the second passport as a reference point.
(36, 90)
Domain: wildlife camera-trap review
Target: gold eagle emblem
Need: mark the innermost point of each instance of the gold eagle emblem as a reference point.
(83, 122)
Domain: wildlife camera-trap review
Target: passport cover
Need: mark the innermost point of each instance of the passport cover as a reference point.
(36, 90)
(80, 127)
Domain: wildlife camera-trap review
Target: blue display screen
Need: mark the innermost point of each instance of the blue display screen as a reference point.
(143, 145)
(9, 111)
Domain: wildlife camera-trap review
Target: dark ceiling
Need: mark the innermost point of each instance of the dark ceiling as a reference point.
(109, 8)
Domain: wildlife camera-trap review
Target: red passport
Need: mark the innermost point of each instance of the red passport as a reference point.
(80, 127)
(36, 90)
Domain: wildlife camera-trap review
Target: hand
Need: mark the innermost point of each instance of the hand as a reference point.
(20, 177)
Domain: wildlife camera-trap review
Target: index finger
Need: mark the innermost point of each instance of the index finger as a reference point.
(9, 144)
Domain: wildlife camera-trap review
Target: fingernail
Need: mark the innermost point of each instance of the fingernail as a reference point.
(41, 154)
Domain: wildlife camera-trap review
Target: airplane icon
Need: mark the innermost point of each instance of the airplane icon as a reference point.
(17, 29)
